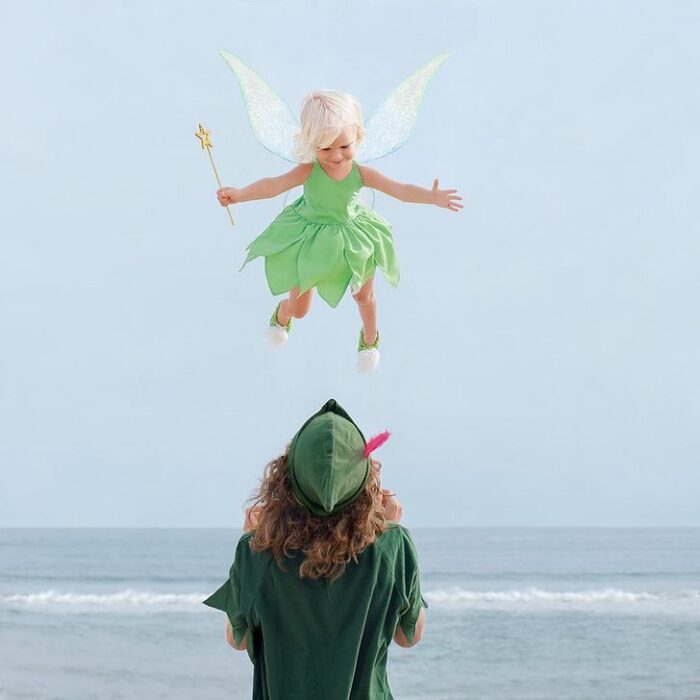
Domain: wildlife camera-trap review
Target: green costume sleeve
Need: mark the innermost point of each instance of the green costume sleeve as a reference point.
(408, 581)
(228, 598)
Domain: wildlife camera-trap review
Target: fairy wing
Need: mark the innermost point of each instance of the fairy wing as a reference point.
(270, 117)
(391, 124)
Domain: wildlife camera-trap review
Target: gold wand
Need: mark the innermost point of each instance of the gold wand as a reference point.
(204, 137)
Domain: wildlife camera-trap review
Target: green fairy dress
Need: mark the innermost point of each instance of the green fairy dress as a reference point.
(326, 239)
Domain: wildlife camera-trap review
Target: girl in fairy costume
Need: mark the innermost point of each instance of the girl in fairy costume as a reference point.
(326, 240)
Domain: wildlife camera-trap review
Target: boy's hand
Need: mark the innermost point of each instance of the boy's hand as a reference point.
(447, 199)
(228, 195)
(393, 510)
(252, 516)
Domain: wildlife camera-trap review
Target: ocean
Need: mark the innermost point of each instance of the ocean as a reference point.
(515, 614)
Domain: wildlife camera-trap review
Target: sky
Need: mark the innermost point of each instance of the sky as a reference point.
(539, 358)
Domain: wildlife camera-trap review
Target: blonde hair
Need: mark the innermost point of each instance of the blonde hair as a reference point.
(324, 115)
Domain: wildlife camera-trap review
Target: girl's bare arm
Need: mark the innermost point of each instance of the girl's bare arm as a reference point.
(410, 193)
(265, 188)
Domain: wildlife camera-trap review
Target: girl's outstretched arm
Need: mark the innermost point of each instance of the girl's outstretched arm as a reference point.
(265, 188)
(410, 193)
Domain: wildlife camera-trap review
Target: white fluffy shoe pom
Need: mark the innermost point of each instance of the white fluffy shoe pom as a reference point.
(367, 360)
(277, 336)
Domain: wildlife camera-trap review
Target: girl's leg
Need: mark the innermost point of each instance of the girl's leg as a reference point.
(367, 306)
(296, 306)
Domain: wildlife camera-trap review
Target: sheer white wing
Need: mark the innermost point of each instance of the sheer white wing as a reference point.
(270, 118)
(391, 124)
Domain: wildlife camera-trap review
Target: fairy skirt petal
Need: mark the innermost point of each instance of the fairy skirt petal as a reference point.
(329, 256)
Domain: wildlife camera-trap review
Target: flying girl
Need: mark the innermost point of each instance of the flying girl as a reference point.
(326, 239)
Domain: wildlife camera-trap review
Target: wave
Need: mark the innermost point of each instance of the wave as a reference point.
(526, 600)
(51, 579)
(106, 602)
(470, 575)
(534, 599)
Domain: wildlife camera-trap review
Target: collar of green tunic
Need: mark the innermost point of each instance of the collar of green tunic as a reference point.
(327, 465)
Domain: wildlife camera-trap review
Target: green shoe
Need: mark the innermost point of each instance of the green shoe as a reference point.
(367, 355)
(277, 334)
(363, 346)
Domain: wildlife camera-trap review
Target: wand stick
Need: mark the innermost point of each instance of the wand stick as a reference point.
(204, 137)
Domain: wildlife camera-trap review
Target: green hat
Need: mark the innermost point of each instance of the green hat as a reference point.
(327, 461)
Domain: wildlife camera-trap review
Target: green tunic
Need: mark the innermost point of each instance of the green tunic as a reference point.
(316, 640)
(326, 239)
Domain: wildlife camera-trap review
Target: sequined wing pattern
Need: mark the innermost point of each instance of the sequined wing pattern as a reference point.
(391, 124)
(270, 117)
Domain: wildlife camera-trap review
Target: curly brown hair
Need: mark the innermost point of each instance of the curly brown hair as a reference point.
(329, 543)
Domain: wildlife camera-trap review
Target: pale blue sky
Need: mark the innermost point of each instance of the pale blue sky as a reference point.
(540, 355)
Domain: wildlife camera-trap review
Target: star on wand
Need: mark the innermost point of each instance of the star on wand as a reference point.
(204, 137)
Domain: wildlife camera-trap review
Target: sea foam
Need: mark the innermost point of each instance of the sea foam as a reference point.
(593, 600)
(120, 601)
(526, 600)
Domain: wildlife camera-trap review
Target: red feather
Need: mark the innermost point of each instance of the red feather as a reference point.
(376, 442)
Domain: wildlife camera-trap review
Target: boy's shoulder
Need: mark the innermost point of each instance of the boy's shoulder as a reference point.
(247, 556)
(249, 565)
(245, 538)
(393, 540)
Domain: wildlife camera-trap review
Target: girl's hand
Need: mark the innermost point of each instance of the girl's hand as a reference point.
(228, 195)
(447, 199)
(393, 510)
